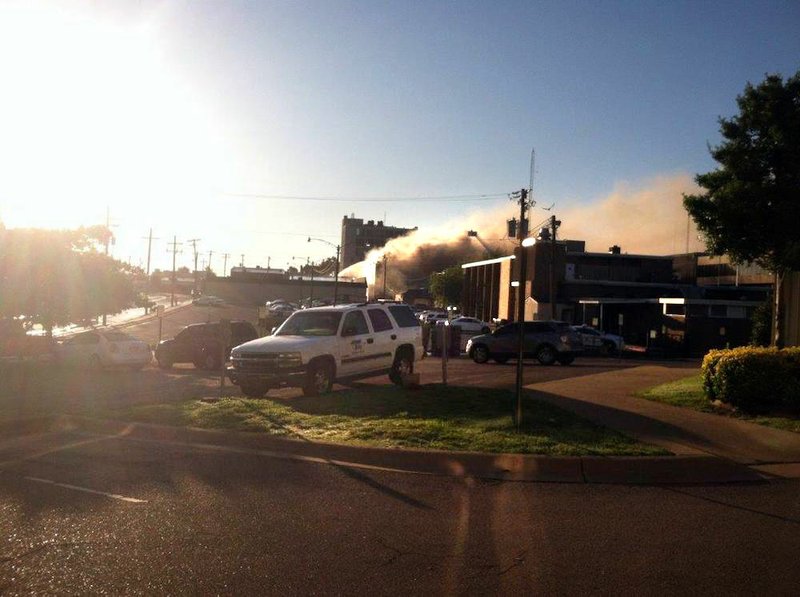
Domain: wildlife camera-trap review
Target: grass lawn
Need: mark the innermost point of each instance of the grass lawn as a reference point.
(431, 417)
(688, 392)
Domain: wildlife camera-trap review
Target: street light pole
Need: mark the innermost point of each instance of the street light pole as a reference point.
(522, 233)
(336, 273)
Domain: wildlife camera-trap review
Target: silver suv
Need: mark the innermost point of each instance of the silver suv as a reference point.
(546, 341)
(315, 347)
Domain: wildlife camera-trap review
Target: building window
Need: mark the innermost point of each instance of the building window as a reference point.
(735, 312)
(718, 311)
(673, 309)
(698, 311)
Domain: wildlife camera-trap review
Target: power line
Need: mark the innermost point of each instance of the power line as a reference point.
(480, 197)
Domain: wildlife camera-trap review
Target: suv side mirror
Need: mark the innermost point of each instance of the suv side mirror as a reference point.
(274, 329)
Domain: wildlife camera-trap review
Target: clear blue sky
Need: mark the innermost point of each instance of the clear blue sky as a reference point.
(365, 99)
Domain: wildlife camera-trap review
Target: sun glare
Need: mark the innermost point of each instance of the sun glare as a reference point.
(92, 115)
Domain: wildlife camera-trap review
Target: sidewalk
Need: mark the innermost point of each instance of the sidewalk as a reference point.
(607, 399)
(23, 440)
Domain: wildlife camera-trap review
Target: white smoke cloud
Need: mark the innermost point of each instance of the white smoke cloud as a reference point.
(646, 218)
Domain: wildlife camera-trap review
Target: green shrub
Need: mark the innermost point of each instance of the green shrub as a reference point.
(709, 371)
(753, 379)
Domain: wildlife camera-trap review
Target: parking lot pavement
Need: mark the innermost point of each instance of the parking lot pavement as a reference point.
(463, 371)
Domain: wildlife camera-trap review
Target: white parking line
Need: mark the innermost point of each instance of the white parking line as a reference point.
(87, 490)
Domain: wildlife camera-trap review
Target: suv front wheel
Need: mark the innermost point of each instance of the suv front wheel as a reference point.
(208, 359)
(403, 365)
(319, 379)
(546, 355)
(480, 354)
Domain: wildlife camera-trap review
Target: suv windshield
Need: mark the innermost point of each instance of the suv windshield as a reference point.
(311, 323)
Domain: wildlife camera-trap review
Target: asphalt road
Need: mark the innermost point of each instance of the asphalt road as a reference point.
(206, 522)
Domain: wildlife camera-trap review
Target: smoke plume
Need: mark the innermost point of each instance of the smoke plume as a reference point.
(646, 218)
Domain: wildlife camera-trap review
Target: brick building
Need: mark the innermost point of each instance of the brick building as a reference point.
(677, 302)
(359, 237)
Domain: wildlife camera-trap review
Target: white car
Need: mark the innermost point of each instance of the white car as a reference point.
(426, 316)
(436, 318)
(600, 341)
(315, 347)
(470, 325)
(98, 349)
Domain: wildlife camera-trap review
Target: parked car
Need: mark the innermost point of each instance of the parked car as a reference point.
(98, 349)
(201, 344)
(606, 344)
(546, 341)
(469, 325)
(281, 310)
(316, 347)
(428, 313)
(433, 316)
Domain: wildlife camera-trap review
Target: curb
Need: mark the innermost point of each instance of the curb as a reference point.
(623, 470)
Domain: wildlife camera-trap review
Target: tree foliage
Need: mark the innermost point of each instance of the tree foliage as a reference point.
(446, 286)
(751, 206)
(56, 277)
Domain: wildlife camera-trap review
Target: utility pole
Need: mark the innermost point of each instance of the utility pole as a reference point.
(174, 252)
(554, 224)
(149, 238)
(522, 232)
(210, 253)
(108, 240)
(269, 260)
(311, 291)
(149, 249)
(242, 263)
(336, 277)
(194, 242)
(225, 264)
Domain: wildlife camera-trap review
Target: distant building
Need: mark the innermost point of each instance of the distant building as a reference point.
(257, 273)
(358, 238)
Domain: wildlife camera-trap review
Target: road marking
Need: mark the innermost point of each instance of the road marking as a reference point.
(87, 490)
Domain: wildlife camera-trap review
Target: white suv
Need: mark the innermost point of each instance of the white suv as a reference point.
(315, 347)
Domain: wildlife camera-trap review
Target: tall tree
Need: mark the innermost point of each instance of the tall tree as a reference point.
(751, 206)
(59, 277)
(446, 286)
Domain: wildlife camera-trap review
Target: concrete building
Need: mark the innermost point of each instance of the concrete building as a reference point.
(668, 302)
(358, 238)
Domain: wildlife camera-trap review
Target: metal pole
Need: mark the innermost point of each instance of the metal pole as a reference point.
(147, 286)
(311, 290)
(523, 266)
(108, 239)
(445, 346)
(336, 277)
(174, 252)
(553, 314)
